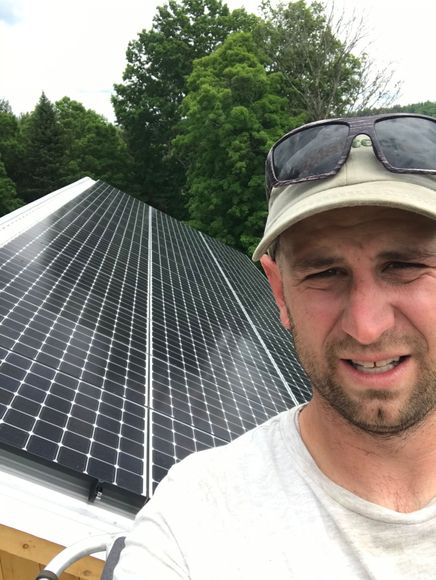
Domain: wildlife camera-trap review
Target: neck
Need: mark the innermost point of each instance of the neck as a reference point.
(398, 472)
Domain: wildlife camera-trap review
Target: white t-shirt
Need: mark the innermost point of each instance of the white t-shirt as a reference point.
(260, 508)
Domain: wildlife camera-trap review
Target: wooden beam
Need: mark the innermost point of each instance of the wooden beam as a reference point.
(35, 549)
(15, 568)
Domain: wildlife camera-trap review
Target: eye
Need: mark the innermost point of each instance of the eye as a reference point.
(404, 271)
(404, 266)
(330, 273)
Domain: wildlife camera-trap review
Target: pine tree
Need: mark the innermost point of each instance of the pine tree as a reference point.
(44, 152)
(8, 196)
(10, 145)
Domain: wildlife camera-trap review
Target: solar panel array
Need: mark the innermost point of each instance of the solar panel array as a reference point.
(129, 340)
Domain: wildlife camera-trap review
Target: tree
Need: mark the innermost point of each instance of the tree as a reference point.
(10, 144)
(320, 55)
(8, 196)
(94, 147)
(232, 114)
(154, 83)
(45, 151)
(426, 108)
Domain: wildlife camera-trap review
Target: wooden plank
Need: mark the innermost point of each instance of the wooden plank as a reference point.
(12, 564)
(28, 547)
(66, 576)
(17, 568)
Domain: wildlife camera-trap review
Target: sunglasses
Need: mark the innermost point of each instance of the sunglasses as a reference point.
(403, 143)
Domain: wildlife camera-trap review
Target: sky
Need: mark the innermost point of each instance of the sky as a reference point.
(76, 48)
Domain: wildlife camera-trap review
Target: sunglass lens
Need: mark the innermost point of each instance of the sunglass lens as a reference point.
(314, 151)
(408, 142)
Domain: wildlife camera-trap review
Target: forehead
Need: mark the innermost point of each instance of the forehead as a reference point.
(360, 226)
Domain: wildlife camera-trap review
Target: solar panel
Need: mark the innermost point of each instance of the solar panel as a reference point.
(129, 340)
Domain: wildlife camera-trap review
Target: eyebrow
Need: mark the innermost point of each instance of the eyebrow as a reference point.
(324, 262)
(316, 262)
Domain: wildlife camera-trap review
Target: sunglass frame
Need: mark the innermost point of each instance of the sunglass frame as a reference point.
(357, 126)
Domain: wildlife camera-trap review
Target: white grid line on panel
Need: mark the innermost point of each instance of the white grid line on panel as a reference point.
(167, 323)
(199, 361)
(116, 466)
(235, 324)
(34, 294)
(49, 335)
(43, 392)
(148, 460)
(47, 422)
(60, 325)
(291, 394)
(233, 405)
(65, 446)
(229, 329)
(233, 261)
(23, 218)
(242, 359)
(43, 246)
(36, 311)
(194, 314)
(76, 324)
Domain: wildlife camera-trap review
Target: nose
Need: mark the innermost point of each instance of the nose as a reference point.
(368, 312)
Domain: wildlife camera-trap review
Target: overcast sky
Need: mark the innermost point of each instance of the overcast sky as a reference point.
(76, 48)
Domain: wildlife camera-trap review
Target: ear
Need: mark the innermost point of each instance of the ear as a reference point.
(274, 276)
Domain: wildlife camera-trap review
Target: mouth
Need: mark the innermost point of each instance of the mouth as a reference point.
(376, 367)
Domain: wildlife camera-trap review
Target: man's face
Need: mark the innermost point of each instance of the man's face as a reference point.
(357, 287)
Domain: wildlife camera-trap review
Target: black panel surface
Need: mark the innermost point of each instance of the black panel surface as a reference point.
(129, 340)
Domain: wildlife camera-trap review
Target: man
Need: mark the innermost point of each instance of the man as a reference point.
(342, 487)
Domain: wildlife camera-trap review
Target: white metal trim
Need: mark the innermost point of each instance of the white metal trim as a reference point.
(18, 221)
(148, 455)
(36, 507)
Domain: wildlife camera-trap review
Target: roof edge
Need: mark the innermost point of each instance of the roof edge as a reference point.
(18, 221)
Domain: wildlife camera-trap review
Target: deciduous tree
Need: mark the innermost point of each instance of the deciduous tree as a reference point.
(154, 84)
(323, 58)
(232, 114)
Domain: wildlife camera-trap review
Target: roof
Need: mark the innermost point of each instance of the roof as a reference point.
(127, 341)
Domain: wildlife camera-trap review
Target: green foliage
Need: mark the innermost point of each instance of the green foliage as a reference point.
(205, 93)
(10, 146)
(44, 152)
(94, 147)
(425, 108)
(58, 144)
(8, 195)
(147, 102)
(231, 116)
(322, 76)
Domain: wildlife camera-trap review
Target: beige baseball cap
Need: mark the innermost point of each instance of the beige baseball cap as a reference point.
(362, 180)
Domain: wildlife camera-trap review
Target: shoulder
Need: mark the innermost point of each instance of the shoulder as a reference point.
(248, 459)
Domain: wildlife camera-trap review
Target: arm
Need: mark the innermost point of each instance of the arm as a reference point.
(152, 550)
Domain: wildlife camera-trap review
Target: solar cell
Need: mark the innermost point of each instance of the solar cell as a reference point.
(129, 340)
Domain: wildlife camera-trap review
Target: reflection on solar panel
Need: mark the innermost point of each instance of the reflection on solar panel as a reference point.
(129, 340)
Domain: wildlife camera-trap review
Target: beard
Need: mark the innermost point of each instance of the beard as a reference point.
(374, 411)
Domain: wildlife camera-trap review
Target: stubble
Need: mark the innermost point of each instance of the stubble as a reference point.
(374, 411)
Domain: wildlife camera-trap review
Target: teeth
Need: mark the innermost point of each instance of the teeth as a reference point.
(379, 363)
(382, 363)
(376, 366)
(367, 365)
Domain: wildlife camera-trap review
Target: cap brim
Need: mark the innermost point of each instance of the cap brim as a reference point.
(395, 194)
